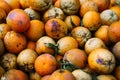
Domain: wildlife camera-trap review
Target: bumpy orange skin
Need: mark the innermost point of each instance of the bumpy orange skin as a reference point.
(18, 20)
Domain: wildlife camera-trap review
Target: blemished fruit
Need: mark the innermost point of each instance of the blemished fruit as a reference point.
(62, 75)
(53, 12)
(40, 5)
(76, 57)
(14, 42)
(81, 34)
(108, 17)
(14, 74)
(26, 59)
(56, 28)
(66, 43)
(18, 20)
(45, 64)
(41, 45)
(101, 61)
(70, 6)
(2, 48)
(81, 75)
(106, 77)
(9, 61)
(116, 50)
(92, 44)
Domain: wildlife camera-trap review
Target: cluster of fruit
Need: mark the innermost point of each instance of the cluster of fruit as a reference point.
(59, 39)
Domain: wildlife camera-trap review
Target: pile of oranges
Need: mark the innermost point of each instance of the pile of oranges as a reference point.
(59, 40)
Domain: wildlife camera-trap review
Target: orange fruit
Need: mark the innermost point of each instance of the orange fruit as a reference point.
(102, 33)
(102, 5)
(31, 45)
(36, 30)
(101, 61)
(106, 77)
(13, 3)
(41, 45)
(72, 21)
(24, 3)
(70, 6)
(117, 72)
(81, 34)
(92, 20)
(92, 44)
(3, 15)
(108, 17)
(32, 13)
(82, 1)
(66, 43)
(56, 28)
(53, 12)
(114, 31)
(61, 74)
(18, 20)
(40, 5)
(116, 9)
(26, 59)
(88, 6)
(76, 57)
(57, 4)
(4, 28)
(15, 74)
(14, 42)
(5, 6)
(45, 64)
(46, 77)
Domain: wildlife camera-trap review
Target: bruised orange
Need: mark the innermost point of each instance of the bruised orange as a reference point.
(18, 20)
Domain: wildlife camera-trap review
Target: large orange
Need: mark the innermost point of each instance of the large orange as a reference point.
(45, 64)
(14, 42)
(92, 20)
(102, 4)
(36, 30)
(18, 20)
(56, 28)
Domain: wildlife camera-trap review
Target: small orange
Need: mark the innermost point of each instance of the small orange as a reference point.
(4, 28)
(102, 5)
(13, 3)
(36, 30)
(66, 43)
(5, 6)
(76, 57)
(14, 42)
(45, 64)
(41, 45)
(102, 33)
(92, 20)
(3, 16)
(56, 28)
(18, 20)
(31, 45)
(61, 74)
(24, 3)
(114, 32)
(72, 21)
(88, 6)
(116, 9)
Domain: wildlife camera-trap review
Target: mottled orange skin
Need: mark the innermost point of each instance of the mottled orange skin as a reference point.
(18, 20)
(14, 42)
